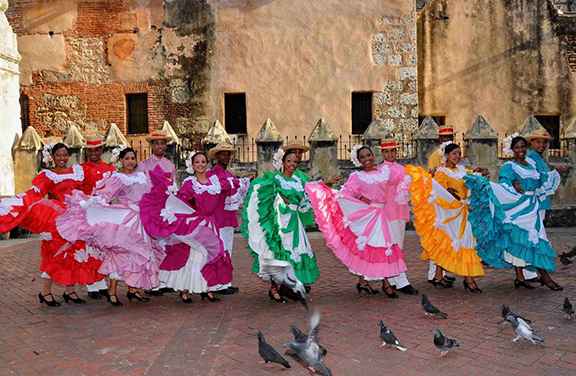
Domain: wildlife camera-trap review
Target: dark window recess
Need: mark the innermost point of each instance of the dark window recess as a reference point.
(361, 112)
(552, 124)
(235, 113)
(439, 119)
(137, 113)
(24, 111)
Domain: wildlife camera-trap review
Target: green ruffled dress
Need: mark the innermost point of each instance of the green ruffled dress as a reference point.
(274, 229)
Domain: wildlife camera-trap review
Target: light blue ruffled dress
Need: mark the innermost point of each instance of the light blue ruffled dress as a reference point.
(508, 226)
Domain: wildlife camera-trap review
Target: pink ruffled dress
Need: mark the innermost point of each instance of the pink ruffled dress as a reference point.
(128, 253)
(359, 234)
(183, 223)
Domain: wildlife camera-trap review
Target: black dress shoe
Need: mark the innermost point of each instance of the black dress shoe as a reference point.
(94, 295)
(73, 297)
(154, 292)
(307, 288)
(535, 279)
(551, 285)
(392, 294)
(225, 292)
(431, 281)
(167, 289)
(442, 283)
(449, 278)
(408, 290)
(233, 289)
(103, 293)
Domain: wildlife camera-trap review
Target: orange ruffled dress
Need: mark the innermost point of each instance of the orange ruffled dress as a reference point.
(442, 220)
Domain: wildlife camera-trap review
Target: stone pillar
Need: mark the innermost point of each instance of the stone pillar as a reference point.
(530, 125)
(482, 143)
(216, 135)
(27, 159)
(173, 149)
(426, 140)
(373, 136)
(11, 128)
(268, 141)
(112, 139)
(74, 140)
(323, 151)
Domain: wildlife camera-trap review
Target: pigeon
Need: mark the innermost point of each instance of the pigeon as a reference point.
(523, 330)
(572, 253)
(282, 272)
(309, 351)
(388, 337)
(565, 260)
(429, 309)
(269, 354)
(443, 344)
(301, 337)
(568, 309)
(506, 312)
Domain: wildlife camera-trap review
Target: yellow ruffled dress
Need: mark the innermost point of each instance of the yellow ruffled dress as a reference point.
(442, 220)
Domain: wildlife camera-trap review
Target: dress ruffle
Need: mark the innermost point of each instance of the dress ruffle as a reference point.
(371, 262)
(498, 234)
(437, 244)
(265, 234)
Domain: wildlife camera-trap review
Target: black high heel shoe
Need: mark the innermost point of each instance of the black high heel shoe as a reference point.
(366, 288)
(475, 290)
(555, 287)
(135, 295)
(211, 299)
(442, 283)
(392, 295)
(518, 283)
(187, 300)
(117, 303)
(68, 297)
(49, 303)
(271, 295)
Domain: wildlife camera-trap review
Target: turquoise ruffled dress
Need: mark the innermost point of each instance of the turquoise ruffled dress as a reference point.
(508, 226)
(275, 228)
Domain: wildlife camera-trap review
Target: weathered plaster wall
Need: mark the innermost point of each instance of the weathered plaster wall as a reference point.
(299, 60)
(502, 59)
(9, 107)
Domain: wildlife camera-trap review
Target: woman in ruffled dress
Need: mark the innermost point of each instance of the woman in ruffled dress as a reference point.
(128, 253)
(275, 213)
(355, 222)
(183, 223)
(507, 220)
(442, 218)
(62, 262)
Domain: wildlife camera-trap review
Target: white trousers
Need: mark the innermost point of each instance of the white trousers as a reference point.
(398, 231)
(97, 286)
(227, 236)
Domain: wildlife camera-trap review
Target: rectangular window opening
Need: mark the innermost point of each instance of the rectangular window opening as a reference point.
(552, 124)
(24, 111)
(361, 112)
(235, 113)
(137, 113)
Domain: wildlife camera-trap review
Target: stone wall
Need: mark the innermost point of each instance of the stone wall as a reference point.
(502, 59)
(10, 127)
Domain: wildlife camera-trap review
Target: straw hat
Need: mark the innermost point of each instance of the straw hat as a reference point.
(539, 133)
(296, 145)
(93, 142)
(221, 147)
(446, 130)
(388, 143)
(158, 135)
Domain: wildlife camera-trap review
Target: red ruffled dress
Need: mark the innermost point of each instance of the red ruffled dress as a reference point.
(65, 263)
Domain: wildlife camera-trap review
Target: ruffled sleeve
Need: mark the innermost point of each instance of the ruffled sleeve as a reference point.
(550, 183)
(111, 189)
(403, 190)
(507, 177)
(352, 186)
(186, 192)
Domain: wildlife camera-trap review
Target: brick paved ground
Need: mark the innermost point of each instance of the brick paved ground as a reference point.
(166, 337)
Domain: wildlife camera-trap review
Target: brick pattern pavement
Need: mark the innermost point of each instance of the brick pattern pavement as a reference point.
(166, 337)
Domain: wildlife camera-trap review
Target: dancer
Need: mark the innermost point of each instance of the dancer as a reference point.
(445, 134)
(158, 142)
(184, 223)
(62, 262)
(441, 212)
(397, 199)
(507, 221)
(274, 222)
(355, 222)
(94, 170)
(232, 195)
(128, 253)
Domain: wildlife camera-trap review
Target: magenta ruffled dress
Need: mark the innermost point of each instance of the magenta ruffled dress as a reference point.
(183, 222)
(128, 253)
(359, 234)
